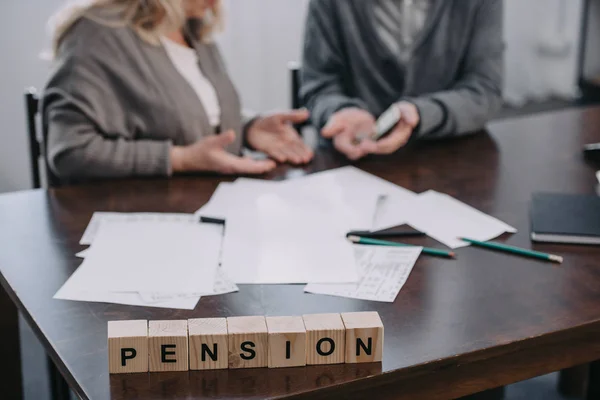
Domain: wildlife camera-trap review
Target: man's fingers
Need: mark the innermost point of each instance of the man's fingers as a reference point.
(345, 144)
(333, 128)
(394, 141)
(296, 116)
(305, 152)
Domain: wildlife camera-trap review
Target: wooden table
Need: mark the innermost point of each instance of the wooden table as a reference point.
(456, 328)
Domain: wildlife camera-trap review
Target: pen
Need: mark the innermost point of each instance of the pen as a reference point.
(515, 250)
(385, 234)
(426, 250)
(210, 220)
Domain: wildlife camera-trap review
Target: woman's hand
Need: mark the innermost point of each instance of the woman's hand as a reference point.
(275, 136)
(209, 154)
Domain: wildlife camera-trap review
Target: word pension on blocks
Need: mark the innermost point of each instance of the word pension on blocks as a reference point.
(244, 342)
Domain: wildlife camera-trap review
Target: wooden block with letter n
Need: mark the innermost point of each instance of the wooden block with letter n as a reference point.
(127, 346)
(168, 345)
(364, 337)
(287, 342)
(325, 339)
(248, 342)
(208, 343)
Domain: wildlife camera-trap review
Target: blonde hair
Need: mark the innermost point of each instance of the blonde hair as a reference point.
(149, 18)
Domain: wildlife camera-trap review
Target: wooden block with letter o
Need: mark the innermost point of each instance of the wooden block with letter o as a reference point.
(168, 346)
(248, 342)
(127, 346)
(325, 339)
(287, 342)
(364, 337)
(208, 343)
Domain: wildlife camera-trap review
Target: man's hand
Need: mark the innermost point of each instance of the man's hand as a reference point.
(399, 136)
(345, 127)
(275, 136)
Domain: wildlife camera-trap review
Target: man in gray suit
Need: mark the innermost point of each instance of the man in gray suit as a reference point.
(439, 62)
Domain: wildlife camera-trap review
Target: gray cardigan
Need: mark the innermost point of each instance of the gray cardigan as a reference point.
(114, 104)
(454, 77)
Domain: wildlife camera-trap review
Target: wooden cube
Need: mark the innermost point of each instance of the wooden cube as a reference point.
(325, 339)
(168, 345)
(287, 342)
(248, 342)
(364, 337)
(208, 343)
(127, 346)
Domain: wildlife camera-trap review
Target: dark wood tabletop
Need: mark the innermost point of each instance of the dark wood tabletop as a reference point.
(457, 327)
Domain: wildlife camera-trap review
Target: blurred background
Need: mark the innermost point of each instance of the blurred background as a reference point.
(543, 39)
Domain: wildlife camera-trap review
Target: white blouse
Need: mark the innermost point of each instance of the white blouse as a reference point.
(185, 60)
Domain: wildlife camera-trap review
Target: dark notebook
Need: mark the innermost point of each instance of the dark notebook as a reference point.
(563, 218)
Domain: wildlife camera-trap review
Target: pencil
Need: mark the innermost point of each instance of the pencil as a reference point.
(376, 242)
(385, 234)
(515, 250)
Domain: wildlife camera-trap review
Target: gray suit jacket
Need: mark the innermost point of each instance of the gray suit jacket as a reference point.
(114, 104)
(454, 77)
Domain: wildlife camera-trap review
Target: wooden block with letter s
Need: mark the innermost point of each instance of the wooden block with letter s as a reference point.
(325, 339)
(248, 342)
(168, 346)
(127, 346)
(208, 343)
(364, 337)
(287, 342)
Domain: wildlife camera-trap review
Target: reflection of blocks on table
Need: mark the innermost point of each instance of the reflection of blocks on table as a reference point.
(127, 346)
(248, 342)
(208, 343)
(287, 342)
(364, 337)
(168, 345)
(325, 339)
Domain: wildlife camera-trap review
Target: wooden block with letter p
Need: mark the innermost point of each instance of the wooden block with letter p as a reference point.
(127, 346)
(287, 342)
(364, 337)
(325, 339)
(208, 343)
(168, 345)
(248, 342)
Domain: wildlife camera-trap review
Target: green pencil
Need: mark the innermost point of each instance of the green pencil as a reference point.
(376, 242)
(516, 250)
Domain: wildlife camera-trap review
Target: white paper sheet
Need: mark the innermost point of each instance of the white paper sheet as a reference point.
(283, 241)
(100, 217)
(383, 272)
(446, 220)
(222, 285)
(82, 253)
(143, 256)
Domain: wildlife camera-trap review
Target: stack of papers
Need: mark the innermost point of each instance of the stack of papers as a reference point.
(158, 260)
(286, 232)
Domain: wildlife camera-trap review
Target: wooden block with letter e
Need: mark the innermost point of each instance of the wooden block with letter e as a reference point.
(287, 342)
(325, 339)
(364, 337)
(168, 346)
(127, 346)
(208, 343)
(248, 342)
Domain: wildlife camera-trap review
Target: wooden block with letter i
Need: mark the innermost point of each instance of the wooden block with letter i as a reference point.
(208, 343)
(248, 342)
(287, 342)
(364, 337)
(168, 345)
(325, 339)
(127, 346)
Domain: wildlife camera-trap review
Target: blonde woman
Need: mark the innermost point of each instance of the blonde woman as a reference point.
(139, 89)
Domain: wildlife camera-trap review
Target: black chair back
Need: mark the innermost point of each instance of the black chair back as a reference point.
(37, 143)
(296, 102)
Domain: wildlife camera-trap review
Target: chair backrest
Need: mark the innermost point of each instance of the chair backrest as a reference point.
(296, 102)
(37, 143)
